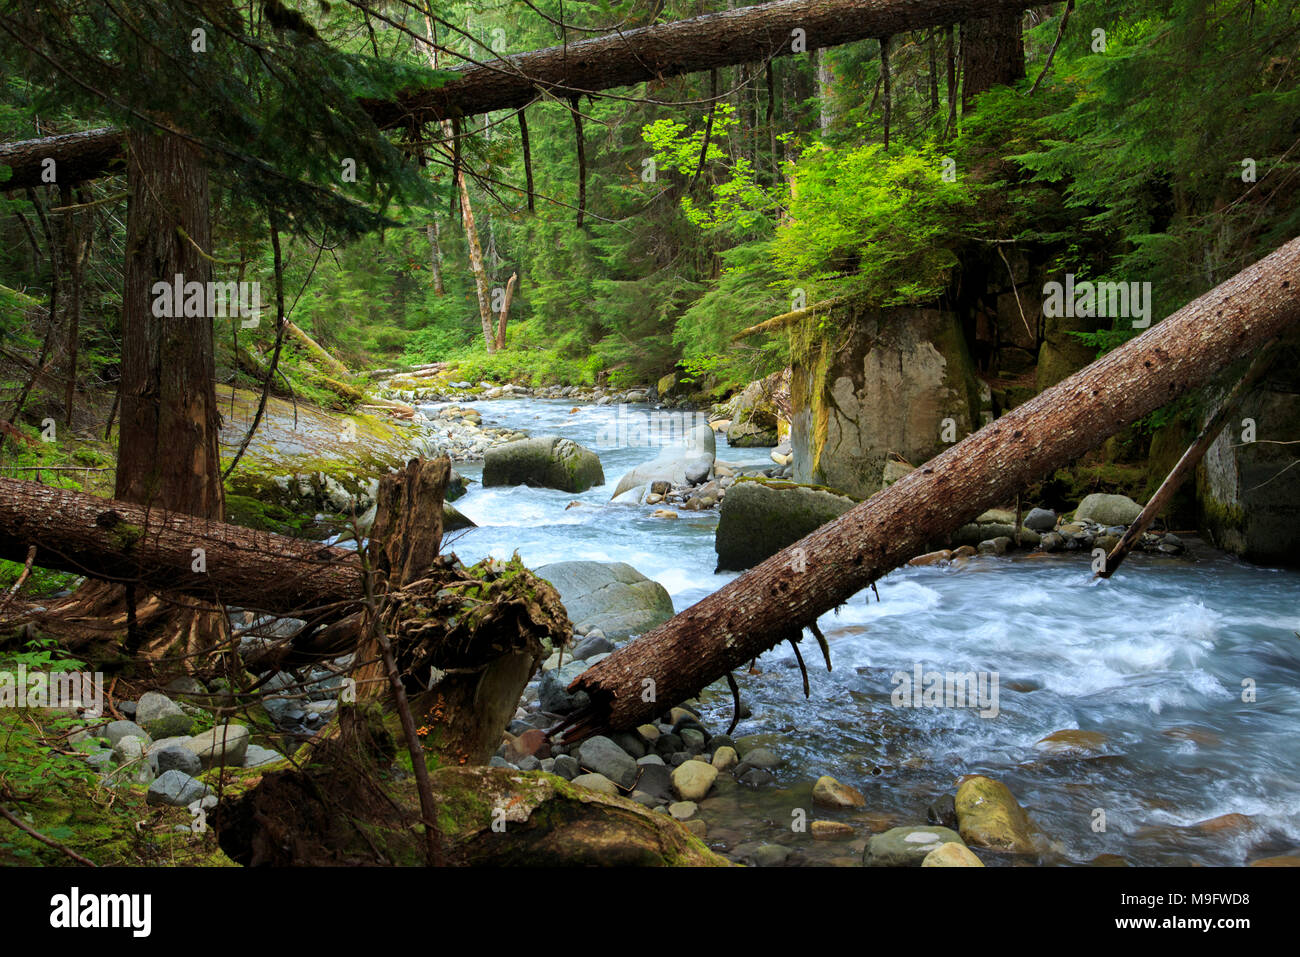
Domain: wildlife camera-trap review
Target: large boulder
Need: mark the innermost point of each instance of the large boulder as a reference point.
(1107, 509)
(546, 461)
(884, 389)
(611, 596)
(686, 464)
(754, 413)
(1248, 492)
(304, 460)
(759, 518)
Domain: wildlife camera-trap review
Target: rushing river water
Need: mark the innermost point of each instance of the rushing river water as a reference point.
(1154, 659)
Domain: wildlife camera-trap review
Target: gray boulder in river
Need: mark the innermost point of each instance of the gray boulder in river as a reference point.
(546, 461)
(758, 519)
(687, 464)
(1107, 509)
(611, 596)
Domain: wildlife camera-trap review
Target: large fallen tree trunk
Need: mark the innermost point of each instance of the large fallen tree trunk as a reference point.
(775, 601)
(159, 551)
(656, 52)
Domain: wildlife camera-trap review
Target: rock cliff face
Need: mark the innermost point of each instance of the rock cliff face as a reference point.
(881, 383)
(1248, 493)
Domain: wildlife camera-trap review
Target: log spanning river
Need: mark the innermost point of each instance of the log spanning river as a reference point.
(1188, 670)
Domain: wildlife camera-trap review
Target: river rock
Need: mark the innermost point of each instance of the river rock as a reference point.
(1040, 519)
(952, 854)
(1107, 509)
(1072, 741)
(989, 816)
(603, 756)
(592, 645)
(828, 792)
(725, 758)
(687, 464)
(546, 461)
(176, 757)
(612, 596)
(693, 779)
(553, 689)
(906, 846)
(758, 519)
(224, 744)
(128, 753)
(597, 782)
(176, 789)
(161, 716)
(566, 766)
(115, 731)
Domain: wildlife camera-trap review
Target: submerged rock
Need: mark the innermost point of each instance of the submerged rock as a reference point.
(907, 846)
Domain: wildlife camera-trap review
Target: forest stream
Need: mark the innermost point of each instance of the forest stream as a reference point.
(1183, 770)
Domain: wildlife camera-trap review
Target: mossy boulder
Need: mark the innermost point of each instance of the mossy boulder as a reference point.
(759, 519)
(988, 815)
(1248, 492)
(896, 382)
(755, 419)
(303, 460)
(546, 461)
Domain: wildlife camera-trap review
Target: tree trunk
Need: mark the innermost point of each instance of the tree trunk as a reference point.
(775, 600)
(992, 53)
(747, 35)
(505, 311)
(167, 451)
(476, 262)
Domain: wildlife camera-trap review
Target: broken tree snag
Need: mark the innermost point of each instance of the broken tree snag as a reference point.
(505, 311)
(465, 641)
(751, 34)
(1187, 464)
(761, 607)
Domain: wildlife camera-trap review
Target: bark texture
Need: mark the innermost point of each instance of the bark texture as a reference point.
(167, 451)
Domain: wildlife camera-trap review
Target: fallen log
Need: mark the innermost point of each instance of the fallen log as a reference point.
(746, 35)
(776, 600)
(116, 541)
